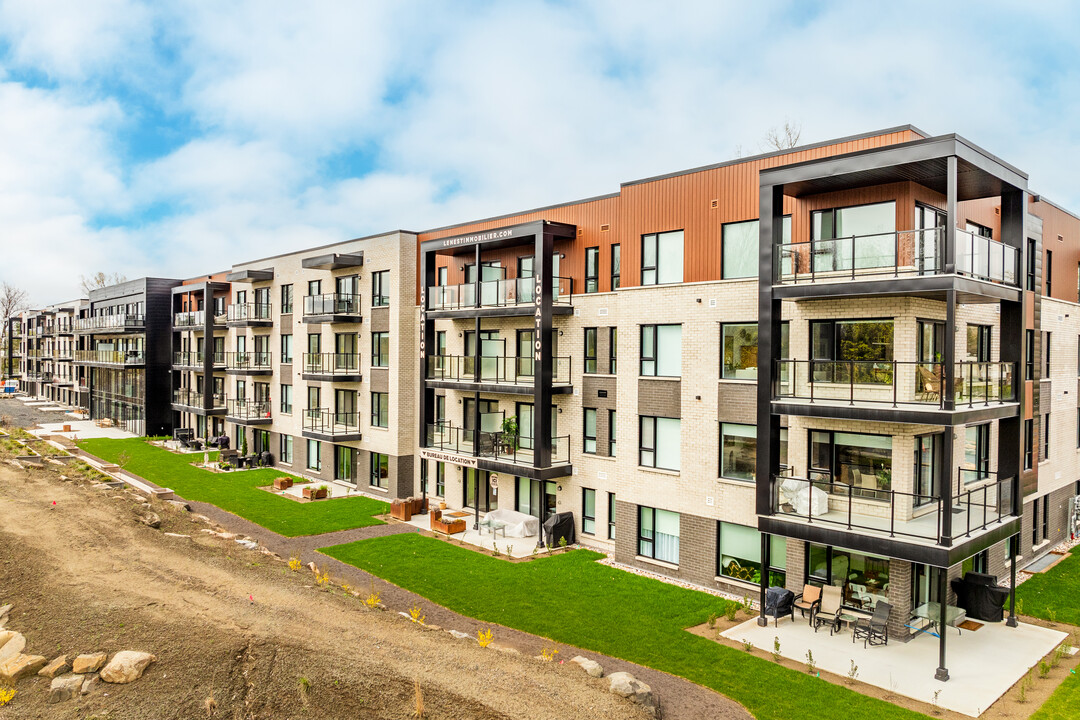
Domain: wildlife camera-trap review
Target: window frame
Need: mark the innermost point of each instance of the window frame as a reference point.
(1032, 273)
(655, 270)
(653, 331)
(654, 450)
(592, 269)
(287, 299)
(376, 478)
(612, 440)
(588, 522)
(286, 403)
(644, 510)
(1029, 444)
(586, 438)
(380, 349)
(1029, 354)
(616, 266)
(380, 288)
(613, 347)
(380, 409)
(590, 363)
(285, 449)
(317, 445)
(1046, 436)
(753, 473)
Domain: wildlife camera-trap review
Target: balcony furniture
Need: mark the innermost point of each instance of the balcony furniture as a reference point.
(517, 524)
(495, 526)
(401, 510)
(980, 597)
(266, 459)
(931, 613)
(558, 527)
(828, 611)
(811, 501)
(808, 600)
(779, 602)
(445, 527)
(283, 483)
(929, 383)
(874, 629)
(229, 456)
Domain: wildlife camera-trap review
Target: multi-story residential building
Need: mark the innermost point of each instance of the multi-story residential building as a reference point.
(126, 332)
(200, 313)
(47, 350)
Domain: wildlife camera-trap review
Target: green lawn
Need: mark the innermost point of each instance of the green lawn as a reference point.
(1063, 704)
(572, 599)
(1054, 592)
(236, 491)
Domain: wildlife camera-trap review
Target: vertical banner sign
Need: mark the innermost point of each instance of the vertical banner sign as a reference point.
(538, 300)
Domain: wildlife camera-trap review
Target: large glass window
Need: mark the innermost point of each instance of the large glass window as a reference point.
(380, 471)
(740, 346)
(286, 349)
(978, 343)
(976, 453)
(380, 409)
(286, 399)
(852, 350)
(660, 442)
(286, 299)
(380, 288)
(588, 511)
(864, 578)
(661, 350)
(592, 269)
(345, 464)
(738, 451)
(590, 350)
(861, 237)
(314, 455)
(662, 258)
(590, 431)
(739, 251)
(616, 266)
(738, 552)
(863, 462)
(380, 349)
(658, 534)
(286, 455)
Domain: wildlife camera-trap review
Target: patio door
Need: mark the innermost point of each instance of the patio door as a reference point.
(532, 496)
(488, 501)
(345, 407)
(490, 273)
(927, 453)
(524, 364)
(928, 239)
(345, 464)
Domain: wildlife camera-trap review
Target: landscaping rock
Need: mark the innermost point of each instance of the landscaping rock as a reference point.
(150, 519)
(88, 663)
(65, 687)
(593, 668)
(90, 684)
(249, 544)
(176, 535)
(5, 609)
(626, 685)
(126, 666)
(18, 667)
(460, 635)
(11, 644)
(58, 666)
(180, 504)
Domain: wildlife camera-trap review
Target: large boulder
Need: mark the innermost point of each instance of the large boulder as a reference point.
(11, 644)
(58, 666)
(626, 685)
(16, 668)
(126, 666)
(150, 519)
(593, 668)
(64, 688)
(88, 663)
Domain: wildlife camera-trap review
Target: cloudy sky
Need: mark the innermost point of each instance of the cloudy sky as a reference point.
(175, 138)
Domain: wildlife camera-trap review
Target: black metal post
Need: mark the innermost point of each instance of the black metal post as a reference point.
(942, 672)
(1013, 542)
(762, 621)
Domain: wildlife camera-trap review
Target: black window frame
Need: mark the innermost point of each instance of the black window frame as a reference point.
(655, 269)
(1029, 354)
(1029, 444)
(612, 440)
(592, 269)
(380, 404)
(613, 345)
(590, 364)
(585, 517)
(611, 515)
(1031, 265)
(286, 402)
(616, 266)
(654, 330)
(287, 299)
(377, 358)
(1047, 340)
(1046, 436)
(376, 479)
(380, 288)
(642, 419)
(1048, 273)
(585, 437)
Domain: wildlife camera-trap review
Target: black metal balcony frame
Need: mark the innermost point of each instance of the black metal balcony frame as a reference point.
(495, 445)
(192, 399)
(331, 424)
(112, 358)
(249, 411)
(194, 359)
(248, 362)
(512, 370)
(332, 305)
(503, 293)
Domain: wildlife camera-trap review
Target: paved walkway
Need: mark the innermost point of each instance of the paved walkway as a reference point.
(679, 697)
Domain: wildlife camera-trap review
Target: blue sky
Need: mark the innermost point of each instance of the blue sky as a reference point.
(174, 138)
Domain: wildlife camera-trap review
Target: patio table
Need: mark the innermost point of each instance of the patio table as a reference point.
(493, 525)
(931, 611)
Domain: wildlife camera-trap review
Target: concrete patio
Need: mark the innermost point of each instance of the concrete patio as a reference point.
(521, 546)
(83, 430)
(983, 664)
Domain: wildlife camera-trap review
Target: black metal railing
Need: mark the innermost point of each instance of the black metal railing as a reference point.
(985, 504)
(894, 382)
(194, 398)
(240, 312)
(111, 357)
(248, 409)
(331, 422)
(332, 304)
(496, 445)
(194, 358)
(110, 323)
(497, 293)
(511, 370)
(247, 360)
(331, 363)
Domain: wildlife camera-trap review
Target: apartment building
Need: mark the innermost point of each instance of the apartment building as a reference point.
(200, 311)
(44, 350)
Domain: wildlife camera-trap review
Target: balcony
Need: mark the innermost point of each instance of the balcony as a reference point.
(248, 363)
(891, 390)
(193, 360)
(248, 412)
(110, 324)
(250, 315)
(195, 320)
(188, 400)
(64, 327)
(111, 358)
(332, 308)
(38, 376)
(867, 513)
(62, 381)
(497, 451)
(514, 375)
(497, 297)
(65, 354)
(332, 367)
(324, 424)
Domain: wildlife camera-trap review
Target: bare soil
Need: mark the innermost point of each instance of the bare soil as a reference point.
(233, 629)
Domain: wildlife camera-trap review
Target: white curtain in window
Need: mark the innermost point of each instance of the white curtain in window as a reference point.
(667, 536)
(669, 350)
(740, 249)
(668, 442)
(670, 251)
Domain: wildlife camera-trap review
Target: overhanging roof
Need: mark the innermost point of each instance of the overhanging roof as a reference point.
(250, 275)
(334, 261)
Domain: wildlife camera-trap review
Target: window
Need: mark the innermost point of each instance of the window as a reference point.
(380, 288)
(613, 347)
(612, 425)
(1031, 265)
(314, 343)
(662, 258)
(978, 343)
(314, 455)
(314, 287)
(661, 350)
(976, 453)
(1029, 444)
(852, 463)
(440, 479)
(740, 251)
(345, 464)
(616, 265)
(286, 349)
(1046, 436)
(740, 347)
(1029, 354)
(588, 511)
(440, 276)
(286, 449)
(1046, 353)
(738, 554)
(738, 451)
(862, 236)
(611, 516)
(380, 349)
(380, 409)
(380, 471)
(1048, 271)
(659, 442)
(286, 399)
(590, 431)
(658, 534)
(861, 351)
(1046, 517)
(592, 269)
(590, 350)
(286, 299)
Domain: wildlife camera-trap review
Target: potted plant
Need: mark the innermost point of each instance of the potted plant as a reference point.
(510, 433)
(884, 479)
(316, 493)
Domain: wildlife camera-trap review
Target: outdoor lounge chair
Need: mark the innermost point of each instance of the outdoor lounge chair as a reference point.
(875, 629)
(929, 383)
(828, 611)
(779, 601)
(808, 600)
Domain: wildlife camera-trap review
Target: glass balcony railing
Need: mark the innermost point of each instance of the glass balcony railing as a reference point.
(495, 444)
(331, 422)
(194, 398)
(110, 323)
(244, 312)
(505, 370)
(247, 409)
(111, 357)
(194, 359)
(496, 293)
(332, 304)
(331, 363)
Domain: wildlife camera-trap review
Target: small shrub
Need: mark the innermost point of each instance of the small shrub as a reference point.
(1051, 615)
(414, 613)
(494, 549)
(730, 611)
(295, 564)
(346, 588)
(776, 648)
(372, 600)
(305, 687)
(484, 637)
(853, 672)
(748, 605)
(811, 666)
(322, 579)
(712, 620)
(509, 551)
(547, 654)
(562, 541)
(747, 645)
(1044, 669)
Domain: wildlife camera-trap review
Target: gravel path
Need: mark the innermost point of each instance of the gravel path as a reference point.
(26, 417)
(680, 698)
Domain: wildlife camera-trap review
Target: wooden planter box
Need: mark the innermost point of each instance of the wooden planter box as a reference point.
(282, 483)
(314, 493)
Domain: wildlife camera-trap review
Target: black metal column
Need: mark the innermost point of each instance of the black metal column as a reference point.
(208, 348)
(942, 672)
(766, 561)
(427, 337)
(769, 322)
(542, 360)
(1014, 542)
(951, 218)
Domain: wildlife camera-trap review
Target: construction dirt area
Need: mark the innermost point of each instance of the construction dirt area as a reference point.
(236, 633)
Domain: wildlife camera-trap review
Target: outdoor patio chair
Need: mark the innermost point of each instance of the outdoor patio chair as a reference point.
(808, 600)
(929, 383)
(828, 611)
(875, 629)
(779, 601)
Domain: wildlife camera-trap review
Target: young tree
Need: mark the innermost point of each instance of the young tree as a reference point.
(783, 138)
(100, 280)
